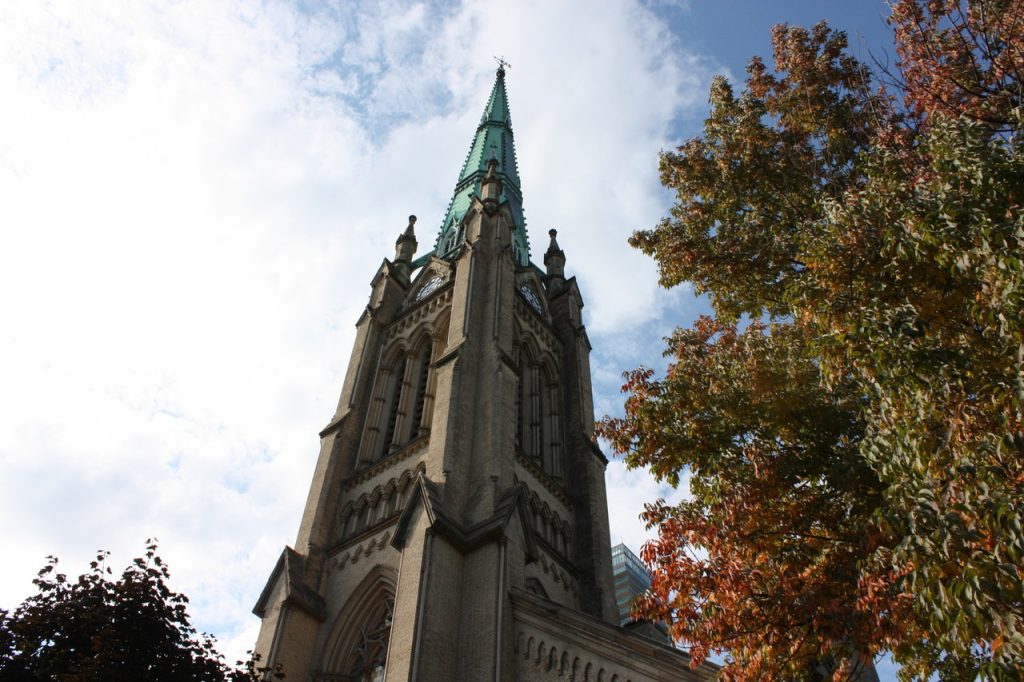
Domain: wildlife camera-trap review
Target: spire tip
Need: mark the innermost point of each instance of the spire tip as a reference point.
(410, 230)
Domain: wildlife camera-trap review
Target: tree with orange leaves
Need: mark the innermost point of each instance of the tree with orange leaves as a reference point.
(962, 59)
(856, 453)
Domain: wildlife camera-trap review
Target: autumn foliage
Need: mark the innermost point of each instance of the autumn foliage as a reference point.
(962, 59)
(856, 453)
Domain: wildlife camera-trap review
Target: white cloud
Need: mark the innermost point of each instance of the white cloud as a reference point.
(628, 491)
(195, 196)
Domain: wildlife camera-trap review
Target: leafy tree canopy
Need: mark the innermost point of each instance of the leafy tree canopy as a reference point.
(856, 453)
(96, 628)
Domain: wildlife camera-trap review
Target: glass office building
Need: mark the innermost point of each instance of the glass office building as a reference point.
(631, 578)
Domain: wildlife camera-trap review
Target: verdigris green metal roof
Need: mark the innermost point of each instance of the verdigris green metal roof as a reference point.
(493, 139)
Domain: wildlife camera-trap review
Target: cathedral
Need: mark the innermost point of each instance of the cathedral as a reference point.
(456, 527)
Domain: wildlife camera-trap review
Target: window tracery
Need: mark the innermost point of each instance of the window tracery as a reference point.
(429, 287)
(357, 649)
(538, 420)
(553, 453)
(370, 658)
(403, 401)
(394, 398)
(423, 363)
(531, 297)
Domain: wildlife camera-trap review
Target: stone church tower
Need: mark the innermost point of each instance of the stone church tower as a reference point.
(456, 526)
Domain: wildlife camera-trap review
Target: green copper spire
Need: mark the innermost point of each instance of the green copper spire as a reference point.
(493, 140)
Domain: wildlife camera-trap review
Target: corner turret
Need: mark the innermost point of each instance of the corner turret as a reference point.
(554, 259)
(405, 247)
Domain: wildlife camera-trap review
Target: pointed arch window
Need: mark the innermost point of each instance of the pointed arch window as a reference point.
(394, 401)
(538, 417)
(370, 657)
(530, 408)
(520, 411)
(552, 421)
(419, 424)
(357, 649)
(524, 406)
(536, 414)
(378, 418)
(403, 402)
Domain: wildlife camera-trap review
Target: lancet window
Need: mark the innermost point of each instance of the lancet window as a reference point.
(380, 409)
(520, 411)
(393, 400)
(418, 426)
(551, 421)
(403, 401)
(530, 407)
(538, 432)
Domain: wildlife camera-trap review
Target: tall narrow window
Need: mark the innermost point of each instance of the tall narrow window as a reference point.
(417, 427)
(524, 414)
(434, 350)
(520, 422)
(536, 415)
(393, 403)
(553, 461)
(531, 415)
(376, 418)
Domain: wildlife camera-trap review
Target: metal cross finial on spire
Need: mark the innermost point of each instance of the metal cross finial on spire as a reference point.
(502, 64)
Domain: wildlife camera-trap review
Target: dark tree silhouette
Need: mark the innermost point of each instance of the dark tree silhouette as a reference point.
(98, 628)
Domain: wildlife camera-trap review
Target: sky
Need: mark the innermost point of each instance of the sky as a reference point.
(194, 196)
